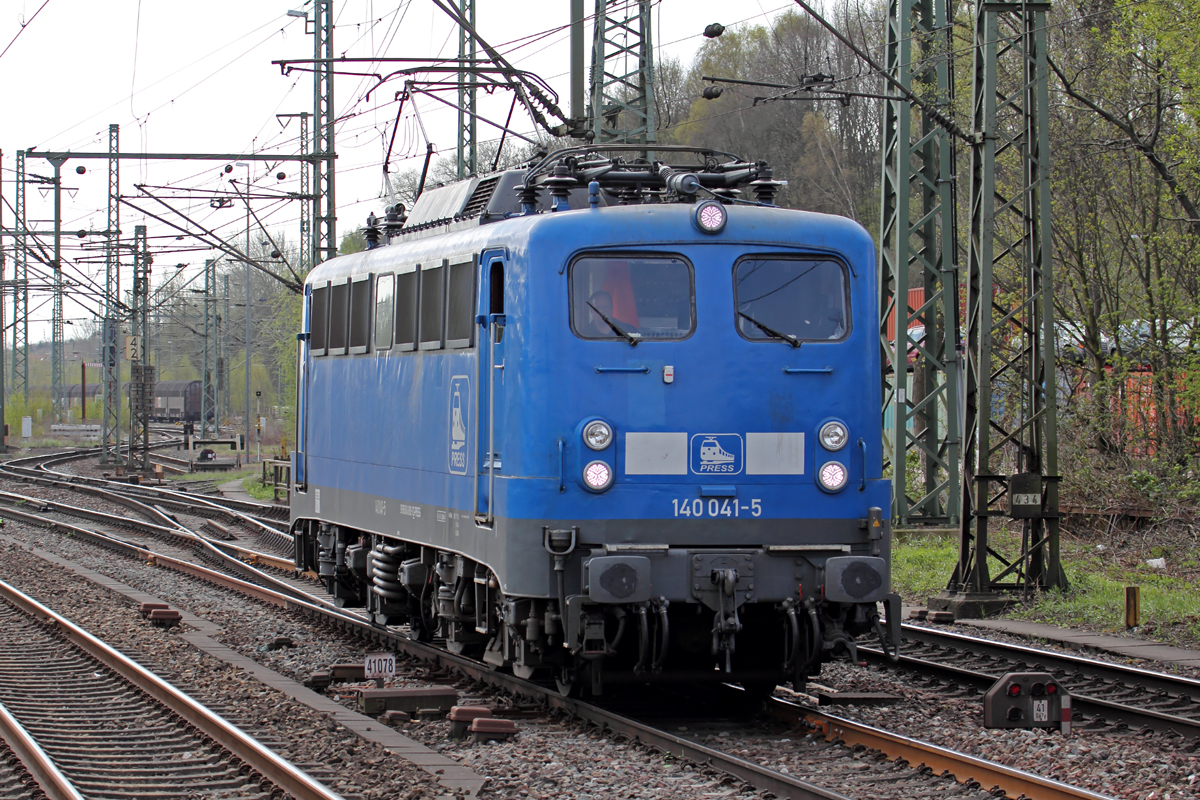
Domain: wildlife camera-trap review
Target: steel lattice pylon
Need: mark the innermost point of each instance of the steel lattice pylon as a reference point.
(58, 388)
(20, 338)
(208, 395)
(324, 207)
(918, 252)
(622, 93)
(141, 377)
(224, 390)
(110, 353)
(468, 142)
(307, 207)
(1011, 447)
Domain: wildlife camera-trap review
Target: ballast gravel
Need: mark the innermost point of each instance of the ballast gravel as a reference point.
(297, 733)
(558, 758)
(1123, 764)
(587, 765)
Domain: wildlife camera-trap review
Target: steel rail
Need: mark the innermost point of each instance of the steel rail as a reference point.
(251, 752)
(119, 492)
(782, 785)
(1068, 662)
(45, 773)
(762, 778)
(230, 508)
(242, 554)
(142, 553)
(1015, 783)
(1086, 704)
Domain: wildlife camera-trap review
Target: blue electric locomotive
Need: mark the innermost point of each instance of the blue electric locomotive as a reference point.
(602, 420)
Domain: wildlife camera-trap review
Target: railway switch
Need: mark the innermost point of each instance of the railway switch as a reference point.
(1027, 700)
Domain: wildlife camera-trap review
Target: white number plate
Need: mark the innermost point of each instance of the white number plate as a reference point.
(715, 507)
(1041, 710)
(380, 665)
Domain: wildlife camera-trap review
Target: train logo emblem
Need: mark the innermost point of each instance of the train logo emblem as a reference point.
(716, 454)
(460, 415)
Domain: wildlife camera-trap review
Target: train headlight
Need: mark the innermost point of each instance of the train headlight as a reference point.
(597, 434)
(834, 436)
(832, 476)
(710, 216)
(597, 476)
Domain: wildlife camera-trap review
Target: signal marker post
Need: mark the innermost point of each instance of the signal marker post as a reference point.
(380, 667)
(1027, 700)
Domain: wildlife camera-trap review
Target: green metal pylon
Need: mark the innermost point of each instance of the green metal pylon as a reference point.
(917, 250)
(622, 92)
(468, 143)
(1011, 450)
(110, 351)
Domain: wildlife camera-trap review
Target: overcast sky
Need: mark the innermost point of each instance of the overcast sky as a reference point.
(181, 77)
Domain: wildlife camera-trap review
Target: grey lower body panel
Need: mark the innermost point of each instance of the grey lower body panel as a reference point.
(780, 554)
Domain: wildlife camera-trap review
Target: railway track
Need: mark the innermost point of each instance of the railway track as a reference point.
(1102, 692)
(98, 725)
(832, 761)
(302, 596)
(164, 509)
(17, 782)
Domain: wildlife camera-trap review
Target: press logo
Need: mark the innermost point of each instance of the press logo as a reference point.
(460, 416)
(716, 453)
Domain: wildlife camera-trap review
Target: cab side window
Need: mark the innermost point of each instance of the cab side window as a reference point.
(460, 304)
(384, 286)
(433, 293)
(360, 314)
(339, 317)
(319, 321)
(407, 284)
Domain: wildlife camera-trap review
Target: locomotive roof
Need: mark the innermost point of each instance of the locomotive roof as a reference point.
(625, 226)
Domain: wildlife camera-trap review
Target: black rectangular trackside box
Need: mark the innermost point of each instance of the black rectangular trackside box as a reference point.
(1027, 700)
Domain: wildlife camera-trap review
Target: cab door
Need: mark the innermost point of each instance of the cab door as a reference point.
(490, 323)
(299, 466)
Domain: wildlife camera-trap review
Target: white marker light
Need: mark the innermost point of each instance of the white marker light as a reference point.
(832, 476)
(597, 435)
(598, 476)
(710, 216)
(834, 436)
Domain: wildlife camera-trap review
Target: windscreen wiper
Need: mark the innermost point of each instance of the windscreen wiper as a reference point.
(783, 337)
(632, 338)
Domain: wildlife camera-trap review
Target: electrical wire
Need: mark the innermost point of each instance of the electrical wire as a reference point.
(24, 25)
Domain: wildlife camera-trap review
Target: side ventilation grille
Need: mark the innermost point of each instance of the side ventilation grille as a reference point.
(480, 197)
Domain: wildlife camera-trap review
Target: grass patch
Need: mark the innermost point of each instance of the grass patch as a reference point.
(1170, 606)
(922, 566)
(1096, 600)
(219, 477)
(251, 479)
(257, 489)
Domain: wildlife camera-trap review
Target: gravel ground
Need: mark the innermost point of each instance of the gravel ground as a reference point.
(56, 495)
(308, 739)
(1118, 764)
(553, 758)
(1087, 652)
(584, 763)
(15, 782)
(565, 759)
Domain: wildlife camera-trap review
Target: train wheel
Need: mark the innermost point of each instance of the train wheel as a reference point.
(755, 693)
(568, 682)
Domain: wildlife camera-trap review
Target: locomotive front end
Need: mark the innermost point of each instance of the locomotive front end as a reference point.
(713, 395)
